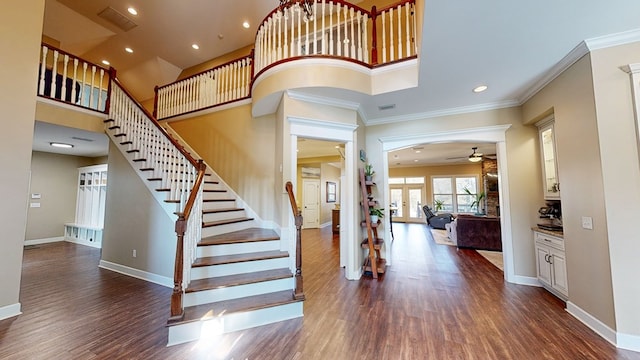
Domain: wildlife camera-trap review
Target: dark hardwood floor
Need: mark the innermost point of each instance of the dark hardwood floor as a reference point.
(434, 303)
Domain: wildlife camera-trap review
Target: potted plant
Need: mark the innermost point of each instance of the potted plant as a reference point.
(476, 202)
(376, 214)
(368, 172)
(438, 205)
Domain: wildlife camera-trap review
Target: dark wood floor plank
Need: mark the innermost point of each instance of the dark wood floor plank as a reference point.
(434, 302)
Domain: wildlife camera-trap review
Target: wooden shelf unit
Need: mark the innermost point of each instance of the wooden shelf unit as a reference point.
(374, 263)
(90, 205)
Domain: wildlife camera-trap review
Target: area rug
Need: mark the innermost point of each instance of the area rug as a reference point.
(494, 257)
(440, 237)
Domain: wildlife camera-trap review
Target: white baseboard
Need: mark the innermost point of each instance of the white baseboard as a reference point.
(594, 324)
(628, 342)
(525, 280)
(93, 244)
(10, 311)
(138, 274)
(43, 241)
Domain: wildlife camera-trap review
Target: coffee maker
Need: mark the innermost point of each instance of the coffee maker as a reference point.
(551, 217)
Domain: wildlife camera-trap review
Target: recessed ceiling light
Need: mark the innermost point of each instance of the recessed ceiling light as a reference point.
(480, 88)
(129, 50)
(220, 36)
(106, 62)
(245, 25)
(415, 160)
(61, 145)
(132, 11)
(195, 46)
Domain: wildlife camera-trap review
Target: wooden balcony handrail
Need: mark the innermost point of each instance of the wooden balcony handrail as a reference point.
(298, 292)
(106, 70)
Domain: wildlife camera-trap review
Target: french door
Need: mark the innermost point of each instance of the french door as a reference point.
(406, 202)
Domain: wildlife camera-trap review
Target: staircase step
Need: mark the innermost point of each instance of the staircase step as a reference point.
(217, 200)
(250, 303)
(239, 258)
(216, 211)
(133, 151)
(139, 160)
(239, 279)
(211, 182)
(214, 191)
(108, 120)
(128, 142)
(114, 127)
(242, 236)
(225, 222)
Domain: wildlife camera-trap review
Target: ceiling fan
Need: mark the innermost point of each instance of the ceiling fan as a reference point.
(474, 157)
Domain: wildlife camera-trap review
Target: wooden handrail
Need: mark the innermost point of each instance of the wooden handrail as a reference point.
(298, 292)
(162, 130)
(106, 70)
(395, 5)
(177, 310)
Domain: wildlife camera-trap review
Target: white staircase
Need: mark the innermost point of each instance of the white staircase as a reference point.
(235, 274)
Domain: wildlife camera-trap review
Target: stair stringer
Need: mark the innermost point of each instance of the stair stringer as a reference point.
(169, 208)
(258, 221)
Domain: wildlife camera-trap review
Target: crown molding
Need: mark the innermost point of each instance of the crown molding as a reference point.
(442, 113)
(582, 49)
(321, 100)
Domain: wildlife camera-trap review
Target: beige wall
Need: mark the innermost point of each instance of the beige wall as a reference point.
(523, 168)
(69, 118)
(240, 149)
(327, 173)
(55, 178)
(20, 35)
(582, 193)
(619, 159)
(135, 220)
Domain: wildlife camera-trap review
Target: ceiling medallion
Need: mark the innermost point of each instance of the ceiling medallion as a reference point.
(306, 5)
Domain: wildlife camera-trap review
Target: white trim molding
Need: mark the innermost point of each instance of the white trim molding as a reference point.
(10, 311)
(43, 241)
(594, 324)
(628, 342)
(321, 100)
(138, 274)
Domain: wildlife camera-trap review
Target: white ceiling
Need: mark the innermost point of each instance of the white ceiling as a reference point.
(514, 47)
(85, 143)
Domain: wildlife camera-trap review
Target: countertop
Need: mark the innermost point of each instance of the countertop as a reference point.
(558, 234)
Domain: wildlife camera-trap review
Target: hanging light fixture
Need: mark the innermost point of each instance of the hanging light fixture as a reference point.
(306, 5)
(475, 156)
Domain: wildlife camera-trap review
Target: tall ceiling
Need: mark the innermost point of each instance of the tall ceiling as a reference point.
(513, 47)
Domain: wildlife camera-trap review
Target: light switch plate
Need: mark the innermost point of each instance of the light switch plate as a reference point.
(35, 205)
(587, 222)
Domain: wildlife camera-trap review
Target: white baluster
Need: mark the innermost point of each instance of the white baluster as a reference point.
(99, 106)
(338, 39)
(315, 29)
(331, 28)
(365, 40)
(43, 70)
(54, 74)
(292, 52)
(235, 81)
(63, 92)
(345, 42)
(360, 45)
(307, 49)
(399, 32)
(384, 38)
(285, 50)
(75, 81)
(407, 33)
(324, 31)
(299, 34)
(353, 36)
(392, 50)
(279, 50)
(93, 79)
(83, 101)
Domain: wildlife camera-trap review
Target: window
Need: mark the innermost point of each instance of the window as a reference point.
(450, 191)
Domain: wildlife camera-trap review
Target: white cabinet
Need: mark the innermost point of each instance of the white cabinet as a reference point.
(550, 182)
(551, 263)
(90, 202)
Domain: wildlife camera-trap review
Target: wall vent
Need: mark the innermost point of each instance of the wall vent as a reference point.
(81, 139)
(386, 107)
(114, 17)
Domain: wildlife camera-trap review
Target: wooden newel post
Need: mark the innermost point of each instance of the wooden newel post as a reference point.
(374, 36)
(112, 76)
(298, 292)
(155, 102)
(176, 297)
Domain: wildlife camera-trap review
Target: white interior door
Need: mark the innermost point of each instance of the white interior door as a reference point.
(310, 203)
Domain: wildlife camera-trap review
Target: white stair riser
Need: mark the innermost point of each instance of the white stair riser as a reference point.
(234, 322)
(223, 229)
(223, 215)
(217, 195)
(240, 248)
(238, 268)
(235, 292)
(218, 205)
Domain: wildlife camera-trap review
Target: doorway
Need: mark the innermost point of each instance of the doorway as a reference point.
(310, 203)
(406, 202)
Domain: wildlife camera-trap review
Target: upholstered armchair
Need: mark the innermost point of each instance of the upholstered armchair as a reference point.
(436, 221)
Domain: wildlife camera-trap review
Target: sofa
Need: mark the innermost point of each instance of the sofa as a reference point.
(477, 232)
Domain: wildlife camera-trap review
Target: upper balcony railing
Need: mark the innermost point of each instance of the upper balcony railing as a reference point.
(72, 80)
(337, 29)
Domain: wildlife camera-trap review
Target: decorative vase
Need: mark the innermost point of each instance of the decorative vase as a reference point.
(374, 219)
